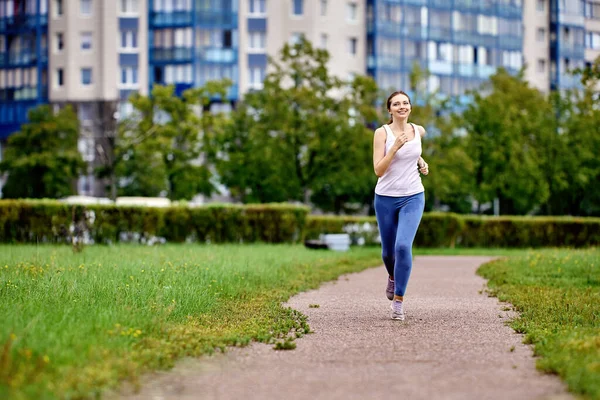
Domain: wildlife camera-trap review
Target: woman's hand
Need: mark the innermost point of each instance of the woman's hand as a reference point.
(423, 166)
(399, 142)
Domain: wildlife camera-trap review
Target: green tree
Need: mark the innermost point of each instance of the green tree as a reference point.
(574, 168)
(162, 147)
(42, 159)
(509, 124)
(303, 137)
(450, 182)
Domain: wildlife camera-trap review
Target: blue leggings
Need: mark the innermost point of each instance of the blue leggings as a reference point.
(398, 219)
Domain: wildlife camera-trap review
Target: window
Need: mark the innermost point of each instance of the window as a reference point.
(541, 34)
(592, 40)
(323, 8)
(541, 65)
(129, 6)
(541, 5)
(85, 111)
(443, 52)
(60, 41)
(58, 7)
(85, 7)
(257, 7)
(60, 77)
(86, 40)
(351, 11)
(129, 76)
(256, 40)
(86, 76)
(129, 39)
(256, 77)
(323, 40)
(298, 7)
(296, 38)
(227, 38)
(352, 44)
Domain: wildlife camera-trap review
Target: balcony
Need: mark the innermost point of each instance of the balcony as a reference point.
(474, 39)
(217, 55)
(439, 67)
(442, 34)
(22, 23)
(171, 19)
(208, 18)
(441, 4)
(22, 59)
(474, 70)
(510, 10)
(415, 32)
(510, 42)
(416, 2)
(171, 55)
(469, 5)
(570, 50)
(23, 94)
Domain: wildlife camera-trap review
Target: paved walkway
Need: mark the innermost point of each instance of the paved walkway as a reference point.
(454, 344)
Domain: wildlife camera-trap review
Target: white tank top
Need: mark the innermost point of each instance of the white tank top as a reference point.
(402, 176)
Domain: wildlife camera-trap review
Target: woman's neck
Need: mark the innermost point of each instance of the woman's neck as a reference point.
(400, 125)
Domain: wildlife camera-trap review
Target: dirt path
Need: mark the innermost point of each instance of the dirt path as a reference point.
(454, 344)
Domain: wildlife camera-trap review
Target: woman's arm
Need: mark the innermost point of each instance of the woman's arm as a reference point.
(423, 166)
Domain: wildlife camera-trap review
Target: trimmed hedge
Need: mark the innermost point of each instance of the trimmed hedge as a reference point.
(453, 230)
(49, 221)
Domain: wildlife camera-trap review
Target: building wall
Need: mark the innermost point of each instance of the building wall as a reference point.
(592, 27)
(101, 59)
(536, 40)
(330, 28)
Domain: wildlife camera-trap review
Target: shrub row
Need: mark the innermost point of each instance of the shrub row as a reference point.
(453, 230)
(25, 221)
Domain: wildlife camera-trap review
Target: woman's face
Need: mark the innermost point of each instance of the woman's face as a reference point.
(400, 107)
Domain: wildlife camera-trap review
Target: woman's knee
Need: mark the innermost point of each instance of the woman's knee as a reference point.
(402, 250)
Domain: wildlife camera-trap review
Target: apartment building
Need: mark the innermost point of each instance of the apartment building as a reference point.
(94, 53)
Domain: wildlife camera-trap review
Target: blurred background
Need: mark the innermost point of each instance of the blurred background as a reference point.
(257, 101)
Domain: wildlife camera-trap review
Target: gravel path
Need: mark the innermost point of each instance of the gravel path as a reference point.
(454, 344)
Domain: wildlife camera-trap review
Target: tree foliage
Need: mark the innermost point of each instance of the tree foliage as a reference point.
(303, 137)
(42, 159)
(574, 166)
(161, 147)
(508, 127)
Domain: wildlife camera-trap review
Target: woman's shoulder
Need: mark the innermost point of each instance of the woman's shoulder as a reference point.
(420, 129)
(380, 131)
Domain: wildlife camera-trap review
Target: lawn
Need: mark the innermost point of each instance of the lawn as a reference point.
(74, 324)
(557, 293)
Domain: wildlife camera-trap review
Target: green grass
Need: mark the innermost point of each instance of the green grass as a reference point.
(557, 293)
(75, 324)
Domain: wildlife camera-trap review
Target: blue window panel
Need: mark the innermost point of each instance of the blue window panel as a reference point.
(124, 94)
(128, 24)
(86, 76)
(257, 60)
(128, 59)
(123, 75)
(298, 7)
(257, 24)
(135, 75)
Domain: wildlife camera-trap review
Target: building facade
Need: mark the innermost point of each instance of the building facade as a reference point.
(94, 54)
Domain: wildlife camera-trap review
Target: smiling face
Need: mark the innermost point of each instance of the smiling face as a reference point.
(399, 106)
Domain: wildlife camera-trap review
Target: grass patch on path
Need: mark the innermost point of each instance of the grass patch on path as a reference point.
(557, 293)
(75, 324)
